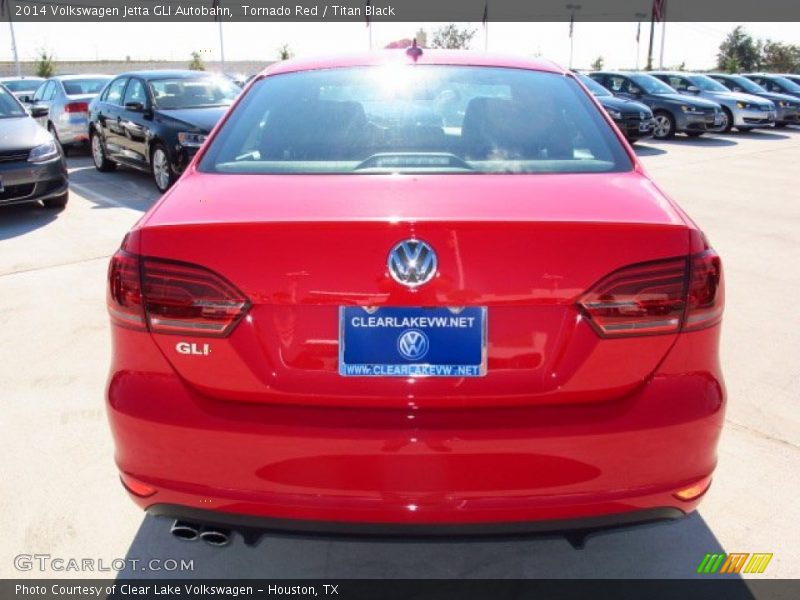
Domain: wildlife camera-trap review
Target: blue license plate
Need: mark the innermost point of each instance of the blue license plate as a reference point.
(412, 342)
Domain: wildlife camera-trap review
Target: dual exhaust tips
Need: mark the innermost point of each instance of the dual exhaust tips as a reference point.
(189, 532)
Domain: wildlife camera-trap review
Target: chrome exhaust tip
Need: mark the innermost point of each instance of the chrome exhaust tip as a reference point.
(184, 530)
(216, 537)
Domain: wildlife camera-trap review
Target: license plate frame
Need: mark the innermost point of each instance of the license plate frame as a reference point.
(418, 342)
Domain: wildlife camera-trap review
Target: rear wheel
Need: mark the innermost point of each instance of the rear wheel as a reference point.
(99, 158)
(163, 174)
(57, 202)
(664, 127)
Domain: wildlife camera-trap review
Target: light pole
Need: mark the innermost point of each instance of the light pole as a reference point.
(3, 8)
(639, 16)
(663, 34)
(572, 8)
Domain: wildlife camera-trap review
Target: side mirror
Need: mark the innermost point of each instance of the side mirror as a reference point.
(693, 89)
(134, 106)
(39, 112)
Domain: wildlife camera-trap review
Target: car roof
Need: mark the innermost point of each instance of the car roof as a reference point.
(621, 73)
(673, 73)
(81, 76)
(428, 57)
(167, 74)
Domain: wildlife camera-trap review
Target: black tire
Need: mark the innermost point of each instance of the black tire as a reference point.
(98, 151)
(729, 124)
(695, 134)
(161, 168)
(781, 125)
(664, 128)
(58, 202)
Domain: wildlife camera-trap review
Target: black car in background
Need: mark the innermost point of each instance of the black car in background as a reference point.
(787, 107)
(32, 165)
(634, 119)
(673, 112)
(777, 84)
(156, 120)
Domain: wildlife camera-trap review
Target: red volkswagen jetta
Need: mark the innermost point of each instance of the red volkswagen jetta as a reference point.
(417, 292)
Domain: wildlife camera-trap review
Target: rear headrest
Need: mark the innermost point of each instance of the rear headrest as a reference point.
(313, 129)
(506, 129)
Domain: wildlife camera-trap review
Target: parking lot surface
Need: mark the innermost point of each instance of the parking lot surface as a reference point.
(61, 495)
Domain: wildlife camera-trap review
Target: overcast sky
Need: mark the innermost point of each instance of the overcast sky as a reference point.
(693, 43)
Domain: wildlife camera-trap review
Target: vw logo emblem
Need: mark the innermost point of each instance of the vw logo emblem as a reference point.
(413, 344)
(412, 263)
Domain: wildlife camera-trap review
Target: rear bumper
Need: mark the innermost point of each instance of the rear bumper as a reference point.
(73, 128)
(417, 468)
(234, 521)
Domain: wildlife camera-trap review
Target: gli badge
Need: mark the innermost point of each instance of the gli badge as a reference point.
(193, 349)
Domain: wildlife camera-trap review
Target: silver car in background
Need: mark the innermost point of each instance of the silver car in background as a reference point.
(743, 111)
(23, 87)
(67, 99)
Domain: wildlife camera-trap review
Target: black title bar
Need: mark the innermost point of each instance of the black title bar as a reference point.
(396, 10)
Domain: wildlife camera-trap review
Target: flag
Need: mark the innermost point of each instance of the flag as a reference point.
(658, 10)
(215, 6)
(638, 31)
(486, 13)
(366, 11)
(571, 23)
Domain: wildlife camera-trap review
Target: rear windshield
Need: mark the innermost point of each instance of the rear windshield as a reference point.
(183, 92)
(416, 118)
(23, 85)
(78, 87)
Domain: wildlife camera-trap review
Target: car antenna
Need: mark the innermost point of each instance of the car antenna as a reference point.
(414, 51)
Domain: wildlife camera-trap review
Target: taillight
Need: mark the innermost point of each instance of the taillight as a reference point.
(172, 297)
(124, 295)
(638, 300)
(705, 299)
(76, 107)
(658, 297)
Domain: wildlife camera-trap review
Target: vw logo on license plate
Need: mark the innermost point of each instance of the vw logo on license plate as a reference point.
(413, 344)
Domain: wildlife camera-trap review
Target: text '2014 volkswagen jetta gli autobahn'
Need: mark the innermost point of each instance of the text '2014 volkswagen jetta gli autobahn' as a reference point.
(426, 292)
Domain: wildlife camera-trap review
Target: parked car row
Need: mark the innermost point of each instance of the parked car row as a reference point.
(694, 103)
